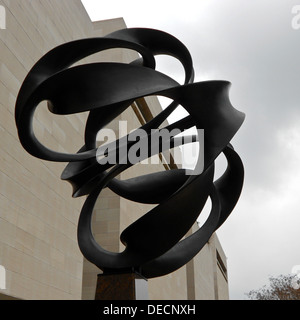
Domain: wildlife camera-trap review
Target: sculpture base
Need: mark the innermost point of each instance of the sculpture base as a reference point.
(123, 286)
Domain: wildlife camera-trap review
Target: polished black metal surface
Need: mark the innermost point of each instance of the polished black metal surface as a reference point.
(154, 245)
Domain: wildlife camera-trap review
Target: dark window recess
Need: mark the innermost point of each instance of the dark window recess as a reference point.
(221, 265)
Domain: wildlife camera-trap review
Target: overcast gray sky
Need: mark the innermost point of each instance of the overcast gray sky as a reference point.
(253, 45)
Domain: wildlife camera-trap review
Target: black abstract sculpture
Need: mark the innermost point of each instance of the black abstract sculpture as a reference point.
(153, 242)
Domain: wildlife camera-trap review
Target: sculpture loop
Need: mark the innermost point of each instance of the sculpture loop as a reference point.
(153, 242)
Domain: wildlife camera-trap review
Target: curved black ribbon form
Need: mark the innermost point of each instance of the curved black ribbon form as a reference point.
(153, 242)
